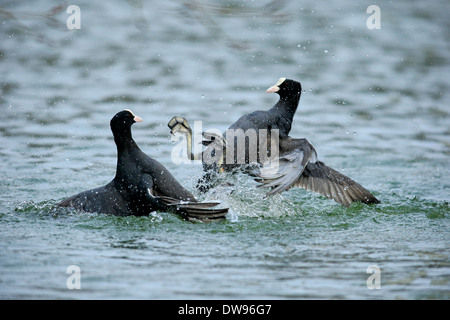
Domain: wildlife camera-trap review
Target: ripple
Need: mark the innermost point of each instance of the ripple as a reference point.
(374, 106)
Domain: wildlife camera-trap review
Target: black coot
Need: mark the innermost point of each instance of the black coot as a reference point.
(279, 117)
(296, 164)
(141, 184)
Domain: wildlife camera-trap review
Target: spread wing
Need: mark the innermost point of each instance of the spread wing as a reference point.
(298, 167)
(332, 184)
(282, 172)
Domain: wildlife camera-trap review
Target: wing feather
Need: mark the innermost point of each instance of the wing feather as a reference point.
(298, 167)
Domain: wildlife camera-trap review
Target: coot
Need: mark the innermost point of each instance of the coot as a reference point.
(293, 163)
(141, 184)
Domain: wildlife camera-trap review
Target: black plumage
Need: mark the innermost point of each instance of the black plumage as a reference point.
(141, 184)
(280, 116)
(294, 165)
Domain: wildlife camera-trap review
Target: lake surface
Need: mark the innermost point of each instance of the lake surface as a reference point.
(375, 105)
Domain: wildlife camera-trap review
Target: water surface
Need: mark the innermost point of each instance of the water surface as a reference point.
(374, 105)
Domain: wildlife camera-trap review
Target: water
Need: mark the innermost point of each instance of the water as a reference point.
(375, 106)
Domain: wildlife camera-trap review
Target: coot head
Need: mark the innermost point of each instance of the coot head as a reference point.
(121, 126)
(124, 119)
(286, 87)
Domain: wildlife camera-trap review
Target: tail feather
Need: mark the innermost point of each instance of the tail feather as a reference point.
(202, 211)
(205, 215)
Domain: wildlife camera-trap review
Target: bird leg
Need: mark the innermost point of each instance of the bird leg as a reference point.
(180, 125)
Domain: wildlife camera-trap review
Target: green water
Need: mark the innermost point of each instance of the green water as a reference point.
(375, 106)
